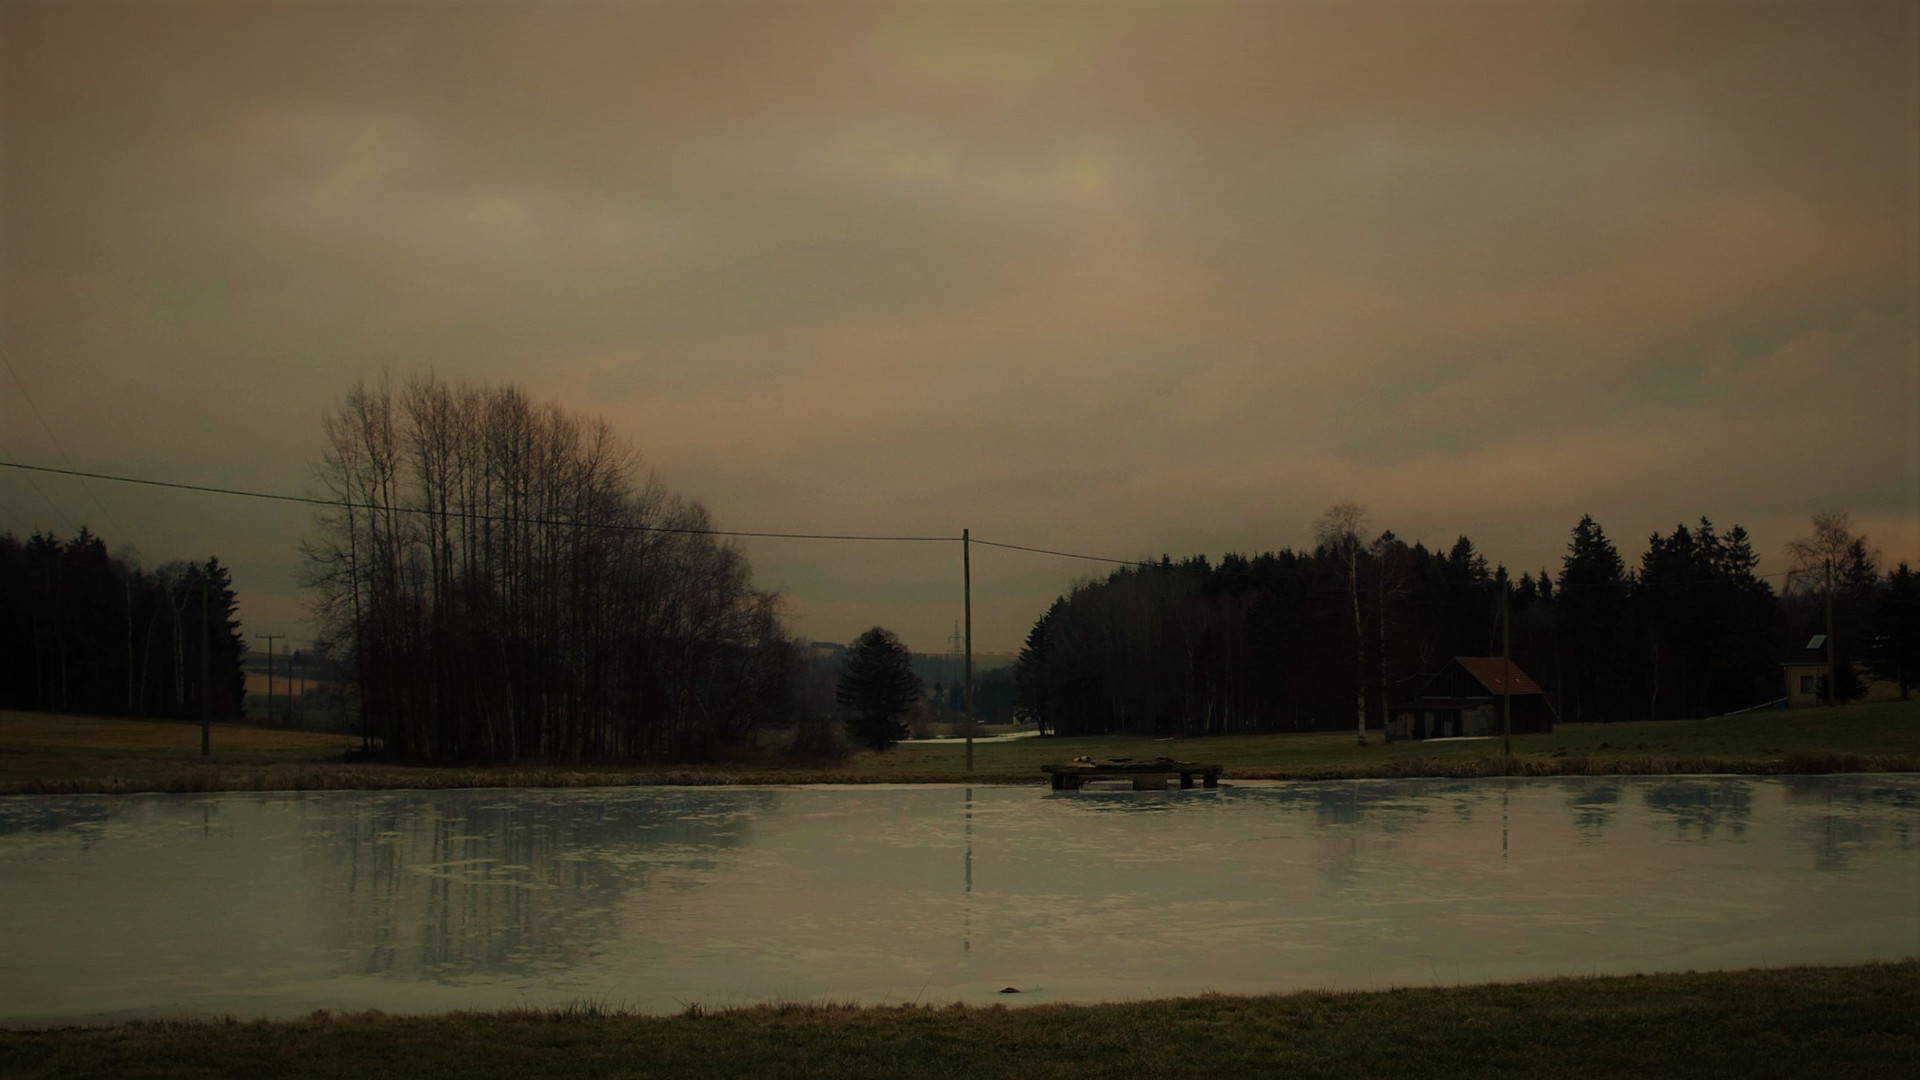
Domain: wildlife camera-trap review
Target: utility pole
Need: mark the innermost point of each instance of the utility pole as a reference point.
(206, 725)
(1359, 635)
(127, 580)
(1833, 670)
(1506, 672)
(270, 638)
(295, 703)
(966, 579)
(1386, 710)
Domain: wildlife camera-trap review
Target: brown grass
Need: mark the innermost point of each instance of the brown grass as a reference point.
(67, 731)
(1854, 1022)
(50, 754)
(1798, 762)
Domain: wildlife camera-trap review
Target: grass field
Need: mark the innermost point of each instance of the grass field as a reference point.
(1853, 1022)
(1752, 742)
(41, 753)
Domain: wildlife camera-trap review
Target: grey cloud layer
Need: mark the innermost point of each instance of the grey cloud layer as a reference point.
(1131, 278)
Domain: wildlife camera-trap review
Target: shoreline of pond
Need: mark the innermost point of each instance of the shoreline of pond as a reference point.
(1854, 1020)
(195, 778)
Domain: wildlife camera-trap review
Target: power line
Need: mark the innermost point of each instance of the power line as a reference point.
(463, 515)
(466, 515)
(11, 514)
(1063, 554)
(38, 415)
(58, 513)
(59, 516)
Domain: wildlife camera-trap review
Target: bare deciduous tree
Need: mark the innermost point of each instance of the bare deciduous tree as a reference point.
(1833, 547)
(507, 589)
(1833, 560)
(1338, 530)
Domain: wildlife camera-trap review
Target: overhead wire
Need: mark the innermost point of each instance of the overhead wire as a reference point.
(59, 515)
(466, 515)
(1062, 554)
(55, 439)
(314, 500)
(10, 513)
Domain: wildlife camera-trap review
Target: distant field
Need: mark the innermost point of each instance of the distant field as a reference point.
(1750, 742)
(48, 753)
(56, 751)
(66, 732)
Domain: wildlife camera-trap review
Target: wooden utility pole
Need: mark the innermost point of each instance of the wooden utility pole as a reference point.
(206, 636)
(127, 580)
(270, 638)
(1359, 637)
(1833, 670)
(1506, 672)
(1386, 710)
(966, 580)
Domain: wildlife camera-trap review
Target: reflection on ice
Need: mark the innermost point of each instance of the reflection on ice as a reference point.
(280, 903)
(1702, 805)
(1593, 806)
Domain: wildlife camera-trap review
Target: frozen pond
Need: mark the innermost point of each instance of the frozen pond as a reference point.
(652, 898)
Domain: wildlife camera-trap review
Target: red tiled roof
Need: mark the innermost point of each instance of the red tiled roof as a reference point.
(1486, 669)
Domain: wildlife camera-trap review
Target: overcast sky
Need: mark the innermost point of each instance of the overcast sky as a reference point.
(1118, 279)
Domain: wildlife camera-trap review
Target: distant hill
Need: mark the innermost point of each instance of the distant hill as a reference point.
(944, 670)
(992, 679)
(931, 667)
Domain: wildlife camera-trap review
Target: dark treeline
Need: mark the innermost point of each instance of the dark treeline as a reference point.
(82, 631)
(499, 587)
(994, 697)
(1302, 640)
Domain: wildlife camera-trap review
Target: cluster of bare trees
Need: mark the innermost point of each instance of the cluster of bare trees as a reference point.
(500, 587)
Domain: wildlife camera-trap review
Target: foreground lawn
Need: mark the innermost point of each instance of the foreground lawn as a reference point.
(1851, 1022)
(52, 754)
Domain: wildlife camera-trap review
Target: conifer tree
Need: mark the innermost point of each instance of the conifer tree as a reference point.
(1593, 621)
(1031, 673)
(1895, 652)
(879, 687)
(226, 647)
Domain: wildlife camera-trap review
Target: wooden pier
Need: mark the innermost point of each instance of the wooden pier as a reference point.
(1147, 775)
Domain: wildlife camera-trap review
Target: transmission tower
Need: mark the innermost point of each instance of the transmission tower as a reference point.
(956, 645)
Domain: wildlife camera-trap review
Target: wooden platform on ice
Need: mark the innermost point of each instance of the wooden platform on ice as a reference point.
(1148, 775)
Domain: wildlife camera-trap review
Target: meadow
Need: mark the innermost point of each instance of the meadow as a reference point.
(54, 754)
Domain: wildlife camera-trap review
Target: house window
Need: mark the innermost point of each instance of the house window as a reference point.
(1806, 684)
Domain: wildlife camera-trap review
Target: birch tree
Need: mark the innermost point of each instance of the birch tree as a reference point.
(507, 585)
(1338, 531)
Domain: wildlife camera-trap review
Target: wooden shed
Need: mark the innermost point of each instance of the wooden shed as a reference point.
(1463, 699)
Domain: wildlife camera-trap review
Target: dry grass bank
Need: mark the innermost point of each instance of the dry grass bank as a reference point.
(1862, 1023)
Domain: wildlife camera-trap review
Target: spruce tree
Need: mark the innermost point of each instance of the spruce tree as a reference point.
(1593, 621)
(878, 685)
(1031, 673)
(1895, 652)
(227, 647)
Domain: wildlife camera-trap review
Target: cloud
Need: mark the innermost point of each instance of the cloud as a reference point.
(1117, 278)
